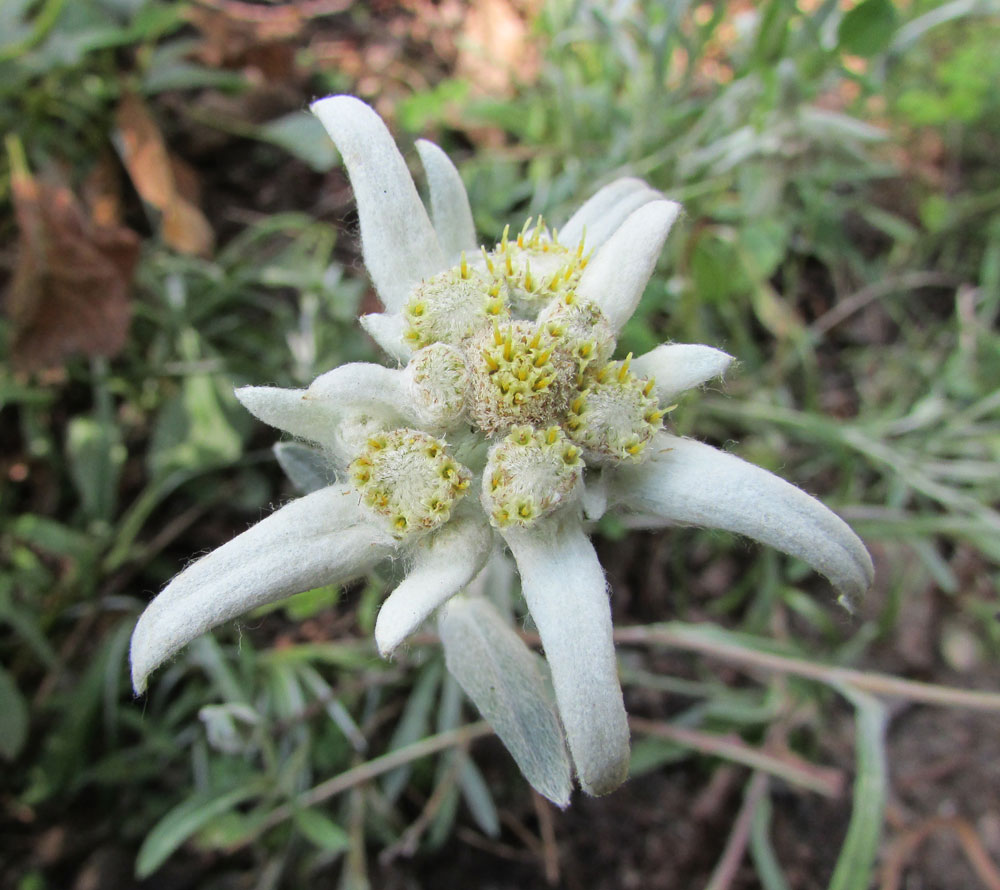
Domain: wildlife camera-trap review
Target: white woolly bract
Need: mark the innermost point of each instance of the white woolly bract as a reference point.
(679, 366)
(442, 565)
(564, 587)
(450, 209)
(688, 482)
(398, 240)
(322, 538)
(618, 273)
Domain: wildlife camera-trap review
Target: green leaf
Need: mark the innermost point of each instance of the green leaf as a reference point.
(868, 28)
(764, 243)
(302, 135)
(772, 33)
(871, 786)
(504, 680)
(52, 537)
(413, 725)
(322, 831)
(421, 110)
(96, 457)
(764, 858)
(14, 723)
(193, 430)
(650, 753)
(716, 270)
(185, 820)
(478, 798)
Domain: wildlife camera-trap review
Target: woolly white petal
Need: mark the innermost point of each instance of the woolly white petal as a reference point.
(450, 209)
(616, 277)
(386, 329)
(315, 413)
(564, 588)
(442, 565)
(605, 211)
(323, 538)
(398, 240)
(688, 482)
(680, 366)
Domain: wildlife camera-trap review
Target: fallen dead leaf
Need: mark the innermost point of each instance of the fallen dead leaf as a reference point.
(70, 292)
(153, 173)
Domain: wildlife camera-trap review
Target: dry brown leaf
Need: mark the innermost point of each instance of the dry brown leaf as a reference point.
(186, 229)
(152, 171)
(101, 192)
(70, 292)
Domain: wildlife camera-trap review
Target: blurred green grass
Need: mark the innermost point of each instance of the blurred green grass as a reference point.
(841, 238)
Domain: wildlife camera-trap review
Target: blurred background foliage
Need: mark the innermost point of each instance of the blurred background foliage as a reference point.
(173, 224)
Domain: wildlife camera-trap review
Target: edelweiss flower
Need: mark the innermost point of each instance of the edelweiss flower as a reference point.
(508, 424)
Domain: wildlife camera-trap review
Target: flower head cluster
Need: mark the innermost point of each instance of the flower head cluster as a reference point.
(507, 423)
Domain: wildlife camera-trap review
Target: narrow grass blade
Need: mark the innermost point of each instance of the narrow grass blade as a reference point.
(871, 786)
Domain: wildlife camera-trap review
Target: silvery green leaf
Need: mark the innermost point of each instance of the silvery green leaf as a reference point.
(502, 677)
(477, 797)
(413, 725)
(301, 135)
(307, 468)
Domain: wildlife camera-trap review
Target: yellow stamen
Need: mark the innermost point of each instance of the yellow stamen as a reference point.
(623, 370)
